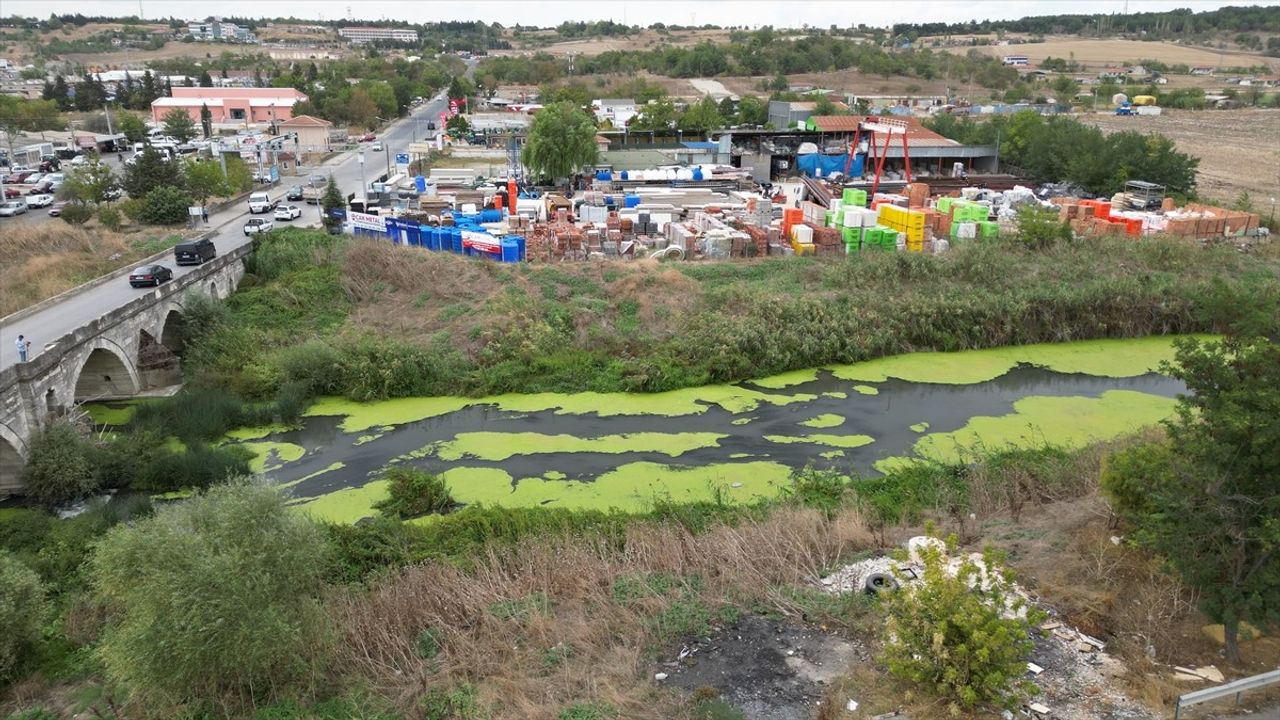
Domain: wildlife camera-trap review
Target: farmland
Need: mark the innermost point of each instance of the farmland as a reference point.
(1099, 53)
(1237, 148)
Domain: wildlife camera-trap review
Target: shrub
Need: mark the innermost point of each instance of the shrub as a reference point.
(110, 218)
(459, 704)
(21, 612)
(215, 599)
(198, 466)
(960, 636)
(133, 208)
(1038, 227)
(76, 213)
(415, 493)
(588, 711)
(166, 205)
(59, 469)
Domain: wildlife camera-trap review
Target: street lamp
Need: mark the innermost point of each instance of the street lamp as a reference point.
(364, 184)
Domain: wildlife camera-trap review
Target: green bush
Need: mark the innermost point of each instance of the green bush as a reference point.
(214, 600)
(588, 711)
(22, 608)
(166, 205)
(76, 213)
(458, 704)
(134, 208)
(198, 466)
(1039, 227)
(110, 218)
(59, 469)
(414, 493)
(948, 634)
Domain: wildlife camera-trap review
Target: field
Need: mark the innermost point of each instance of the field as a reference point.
(845, 80)
(644, 40)
(1237, 148)
(1101, 53)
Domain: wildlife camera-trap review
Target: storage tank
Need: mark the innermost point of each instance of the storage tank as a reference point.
(1144, 99)
(1119, 99)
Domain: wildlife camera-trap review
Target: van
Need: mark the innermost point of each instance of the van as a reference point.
(196, 252)
(260, 202)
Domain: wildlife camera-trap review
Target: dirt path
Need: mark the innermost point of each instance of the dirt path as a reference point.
(1239, 150)
(714, 88)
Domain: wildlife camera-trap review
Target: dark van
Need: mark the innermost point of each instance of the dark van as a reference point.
(195, 252)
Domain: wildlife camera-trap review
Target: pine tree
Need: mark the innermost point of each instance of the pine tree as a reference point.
(205, 79)
(62, 94)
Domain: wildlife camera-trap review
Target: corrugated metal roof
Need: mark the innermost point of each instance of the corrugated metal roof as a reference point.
(917, 134)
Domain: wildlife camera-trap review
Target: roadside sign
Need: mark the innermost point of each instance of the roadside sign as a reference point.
(275, 173)
(402, 158)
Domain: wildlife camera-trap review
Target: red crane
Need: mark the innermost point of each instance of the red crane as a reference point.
(887, 128)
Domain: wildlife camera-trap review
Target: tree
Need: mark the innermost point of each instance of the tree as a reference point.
(205, 79)
(166, 205)
(752, 111)
(1206, 501)
(361, 109)
(93, 183)
(1064, 89)
(18, 116)
(61, 93)
(960, 635)
(330, 202)
(206, 120)
(132, 127)
(657, 115)
(22, 607)
(150, 171)
(457, 125)
(90, 93)
(59, 470)
(562, 140)
(205, 180)
(214, 599)
(703, 116)
(460, 88)
(178, 125)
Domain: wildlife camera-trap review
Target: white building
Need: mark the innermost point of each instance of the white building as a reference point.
(370, 34)
(1016, 60)
(618, 111)
(216, 29)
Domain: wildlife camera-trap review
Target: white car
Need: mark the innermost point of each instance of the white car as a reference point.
(33, 179)
(39, 201)
(288, 212)
(258, 225)
(376, 146)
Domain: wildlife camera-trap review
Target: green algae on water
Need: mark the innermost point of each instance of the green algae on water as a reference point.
(920, 427)
(1129, 357)
(271, 455)
(787, 379)
(347, 505)
(832, 454)
(741, 421)
(498, 446)
(840, 441)
(1061, 421)
(825, 420)
(866, 390)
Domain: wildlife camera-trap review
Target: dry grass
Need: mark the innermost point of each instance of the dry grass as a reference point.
(414, 294)
(506, 658)
(843, 81)
(1100, 53)
(40, 261)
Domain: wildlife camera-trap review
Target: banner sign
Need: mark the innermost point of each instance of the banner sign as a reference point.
(365, 221)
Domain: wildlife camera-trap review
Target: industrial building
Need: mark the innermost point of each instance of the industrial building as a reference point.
(371, 34)
(232, 106)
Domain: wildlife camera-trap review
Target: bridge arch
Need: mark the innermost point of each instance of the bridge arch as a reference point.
(12, 457)
(173, 329)
(104, 372)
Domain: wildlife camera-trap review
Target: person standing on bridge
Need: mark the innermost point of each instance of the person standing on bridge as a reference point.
(24, 347)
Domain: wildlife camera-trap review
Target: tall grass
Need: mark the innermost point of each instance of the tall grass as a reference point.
(369, 320)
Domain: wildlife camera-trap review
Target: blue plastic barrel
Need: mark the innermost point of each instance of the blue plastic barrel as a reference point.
(608, 199)
(510, 250)
(697, 173)
(455, 238)
(603, 175)
(491, 216)
(431, 237)
(631, 201)
(624, 174)
(520, 239)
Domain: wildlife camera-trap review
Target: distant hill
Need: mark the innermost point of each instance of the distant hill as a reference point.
(1181, 23)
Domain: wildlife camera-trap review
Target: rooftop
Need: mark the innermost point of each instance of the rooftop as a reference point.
(917, 134)
(306, 121)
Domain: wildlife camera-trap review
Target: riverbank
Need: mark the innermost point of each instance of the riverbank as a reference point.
(368, 320)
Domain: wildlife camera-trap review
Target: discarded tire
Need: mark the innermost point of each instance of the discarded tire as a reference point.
(878, 582)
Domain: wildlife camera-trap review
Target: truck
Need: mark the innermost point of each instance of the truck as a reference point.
(260, 202)
(312, 195)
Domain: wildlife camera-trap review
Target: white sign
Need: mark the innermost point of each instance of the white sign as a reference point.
(365, 221)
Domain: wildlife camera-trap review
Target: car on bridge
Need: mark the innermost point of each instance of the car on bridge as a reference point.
(258, 225)
(152, 275)
(288, 212)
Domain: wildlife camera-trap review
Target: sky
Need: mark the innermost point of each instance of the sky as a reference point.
(779, 13)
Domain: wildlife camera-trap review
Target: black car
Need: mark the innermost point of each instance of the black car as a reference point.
(150, 275)
(195, 252)
(295, 194)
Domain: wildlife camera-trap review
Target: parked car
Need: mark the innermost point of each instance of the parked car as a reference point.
(42, 187)
(288, 212)
(39, 201)
(55, 210)
(319, 180)
(258, 225)
(12, 192)
(16, 177)
(196, 252)
(33, 178)
(294, 194)
(9, 208)
(79, 160)
(152, 275)
(22, 168)
(368, 137)
(376, 147)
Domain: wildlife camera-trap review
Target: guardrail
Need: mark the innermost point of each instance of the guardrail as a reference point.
(1235, 687)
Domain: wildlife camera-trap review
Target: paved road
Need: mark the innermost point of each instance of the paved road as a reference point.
(57, 320)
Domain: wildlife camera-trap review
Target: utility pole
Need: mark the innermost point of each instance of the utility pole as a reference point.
(364, 183)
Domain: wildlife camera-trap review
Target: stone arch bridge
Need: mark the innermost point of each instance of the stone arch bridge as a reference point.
(123, 353)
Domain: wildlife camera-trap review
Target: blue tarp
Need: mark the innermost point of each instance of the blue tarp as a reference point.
(699, 145)
(813, 162)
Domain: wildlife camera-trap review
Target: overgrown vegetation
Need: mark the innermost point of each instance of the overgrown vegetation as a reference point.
(414, 493)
